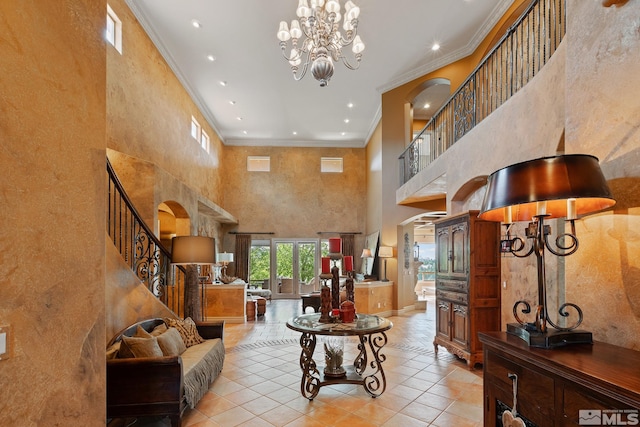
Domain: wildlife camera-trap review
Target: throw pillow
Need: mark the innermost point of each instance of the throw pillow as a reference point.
(171, 343)
(141, 333)
(159, 330)
(112, 352)
(139, 347)
(187, 329)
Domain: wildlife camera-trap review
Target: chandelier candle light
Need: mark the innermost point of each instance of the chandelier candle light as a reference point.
(323, 43)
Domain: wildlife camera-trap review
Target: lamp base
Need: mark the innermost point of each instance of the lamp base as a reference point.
(551, 339)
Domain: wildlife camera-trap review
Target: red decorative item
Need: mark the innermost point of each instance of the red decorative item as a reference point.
(347, 312)
(348, 263)
(335, 245)
(326, 265)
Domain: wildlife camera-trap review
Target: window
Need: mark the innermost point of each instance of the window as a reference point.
(331, 164)
(259, 163)
(113, 32)
(195, 129)
(204, 141)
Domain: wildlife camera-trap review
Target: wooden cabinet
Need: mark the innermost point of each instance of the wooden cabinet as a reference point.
(467, 284)
(556, 387)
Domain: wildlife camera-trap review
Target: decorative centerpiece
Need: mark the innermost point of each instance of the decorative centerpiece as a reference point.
(333, 355)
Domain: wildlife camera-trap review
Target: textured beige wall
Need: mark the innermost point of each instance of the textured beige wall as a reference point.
(603, 119)
(52, 240)
(295, 199)
(149, 112)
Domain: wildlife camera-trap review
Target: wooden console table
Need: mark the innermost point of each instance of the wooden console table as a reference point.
(556, 387)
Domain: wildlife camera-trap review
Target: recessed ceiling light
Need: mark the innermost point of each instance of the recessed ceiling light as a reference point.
(427, 105)
(346, 120)
(223, 83)
(196, 23)
(435, 46)
(343, 133)
(295, 133)
(350, 105)
(211, 58)
(232, 102)
(239, 118)
(245, 132)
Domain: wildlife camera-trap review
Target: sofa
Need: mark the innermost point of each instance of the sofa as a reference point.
(159, 367)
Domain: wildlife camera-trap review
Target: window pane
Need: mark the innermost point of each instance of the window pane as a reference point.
(259, 163)
(331, 164)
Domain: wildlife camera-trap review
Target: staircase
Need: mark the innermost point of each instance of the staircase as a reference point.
(140, 248)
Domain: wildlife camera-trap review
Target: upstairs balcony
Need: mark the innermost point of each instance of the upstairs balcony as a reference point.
(516, 59)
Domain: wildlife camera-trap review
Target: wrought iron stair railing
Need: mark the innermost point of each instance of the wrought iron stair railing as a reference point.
(140, 248)
(512, 63)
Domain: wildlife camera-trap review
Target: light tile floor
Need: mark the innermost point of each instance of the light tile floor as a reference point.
(260, 383)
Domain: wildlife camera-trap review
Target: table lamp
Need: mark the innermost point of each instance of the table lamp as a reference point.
(385, 252)
(192, 251)
(563, 186)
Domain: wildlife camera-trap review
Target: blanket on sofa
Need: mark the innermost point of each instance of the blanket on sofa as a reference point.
(201, 364)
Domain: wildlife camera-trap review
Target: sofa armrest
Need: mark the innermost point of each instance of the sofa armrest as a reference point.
(149, 385)
(211, 330)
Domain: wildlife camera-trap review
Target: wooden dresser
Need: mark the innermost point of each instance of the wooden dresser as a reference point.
(467, 283)
(554, 386)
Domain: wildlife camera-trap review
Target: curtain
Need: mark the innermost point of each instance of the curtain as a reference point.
(243, 246)
(348, 245)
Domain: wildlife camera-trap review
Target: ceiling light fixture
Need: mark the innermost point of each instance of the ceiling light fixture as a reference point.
(435, 46)
(427, 105)
(323, 42)
(196, 23)
(211, 58)
(223, 83)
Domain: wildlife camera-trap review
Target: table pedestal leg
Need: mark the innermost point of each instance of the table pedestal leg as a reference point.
(310, 383)
(374, 383)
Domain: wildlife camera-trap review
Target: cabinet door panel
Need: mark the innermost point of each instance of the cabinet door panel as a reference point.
(460, 325)
(444, 319)
(443, 251)
(458, 249)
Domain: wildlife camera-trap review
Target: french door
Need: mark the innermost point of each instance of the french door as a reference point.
(294, 267)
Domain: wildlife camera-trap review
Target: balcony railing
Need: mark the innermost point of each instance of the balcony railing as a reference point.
(512, 63)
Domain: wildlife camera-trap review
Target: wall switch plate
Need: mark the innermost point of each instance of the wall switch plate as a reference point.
(5, 342)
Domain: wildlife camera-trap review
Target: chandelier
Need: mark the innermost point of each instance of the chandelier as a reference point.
(323, 41)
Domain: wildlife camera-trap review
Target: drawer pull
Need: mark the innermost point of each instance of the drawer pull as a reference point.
(511, 418)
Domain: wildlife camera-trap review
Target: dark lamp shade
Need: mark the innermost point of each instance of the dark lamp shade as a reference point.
(192, 250)
(570, 185)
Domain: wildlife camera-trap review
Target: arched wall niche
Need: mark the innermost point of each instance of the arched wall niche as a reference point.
(173, 220)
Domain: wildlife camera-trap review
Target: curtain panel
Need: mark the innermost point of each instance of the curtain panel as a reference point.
(243, 246)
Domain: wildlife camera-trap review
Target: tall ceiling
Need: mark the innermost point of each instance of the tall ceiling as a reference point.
(260, 88)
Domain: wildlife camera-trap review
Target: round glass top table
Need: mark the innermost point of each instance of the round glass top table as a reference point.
(370, 331)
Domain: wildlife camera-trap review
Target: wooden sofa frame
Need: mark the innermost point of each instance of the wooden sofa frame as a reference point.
(150, 386)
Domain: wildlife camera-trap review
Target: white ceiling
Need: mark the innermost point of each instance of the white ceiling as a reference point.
(241, 35)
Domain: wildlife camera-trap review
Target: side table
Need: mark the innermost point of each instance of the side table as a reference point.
(370, 331)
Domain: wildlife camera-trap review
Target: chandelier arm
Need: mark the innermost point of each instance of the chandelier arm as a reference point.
(351, 34)
(305, 66)
(348, 65)
(564, 313)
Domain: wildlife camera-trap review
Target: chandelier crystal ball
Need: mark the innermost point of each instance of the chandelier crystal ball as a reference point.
(319, 22)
